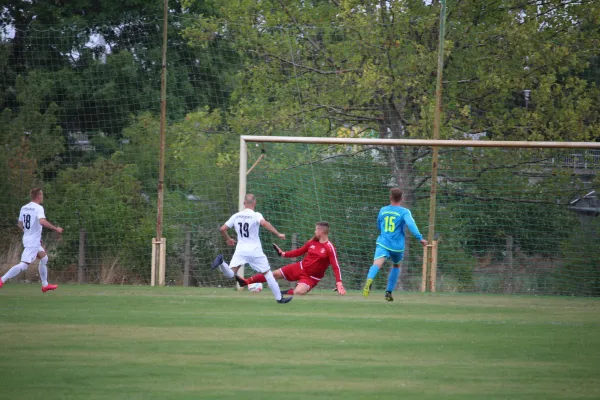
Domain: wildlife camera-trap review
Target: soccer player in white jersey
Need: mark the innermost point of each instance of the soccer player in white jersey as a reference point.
(31, 221)
(249, 249)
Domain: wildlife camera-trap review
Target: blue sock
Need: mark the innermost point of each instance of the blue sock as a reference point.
(393, 279)
(373, 272)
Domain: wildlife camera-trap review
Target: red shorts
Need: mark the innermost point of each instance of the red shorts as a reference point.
(294, 272)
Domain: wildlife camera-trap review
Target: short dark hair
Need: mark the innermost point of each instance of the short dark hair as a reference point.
(249, 199)
(324, 226)
(35, 192)
(396, 194)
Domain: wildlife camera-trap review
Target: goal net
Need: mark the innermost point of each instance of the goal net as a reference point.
(508, 220)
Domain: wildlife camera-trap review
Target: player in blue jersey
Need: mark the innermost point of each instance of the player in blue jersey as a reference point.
(391, 221)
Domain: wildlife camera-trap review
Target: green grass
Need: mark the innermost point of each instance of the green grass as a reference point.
(107, 342)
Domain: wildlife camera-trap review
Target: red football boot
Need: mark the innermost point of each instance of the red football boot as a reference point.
(49, 287)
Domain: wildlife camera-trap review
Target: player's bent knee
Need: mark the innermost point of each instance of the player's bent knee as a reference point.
(44, 259)
(41, 255)
(277, 274)
(301, 289)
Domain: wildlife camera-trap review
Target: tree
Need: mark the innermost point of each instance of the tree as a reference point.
(316, 68)
(84, 70)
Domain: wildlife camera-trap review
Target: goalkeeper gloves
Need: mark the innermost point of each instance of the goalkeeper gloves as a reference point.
(278, 250)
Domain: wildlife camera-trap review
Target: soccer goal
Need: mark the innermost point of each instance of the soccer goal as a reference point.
(509, 217)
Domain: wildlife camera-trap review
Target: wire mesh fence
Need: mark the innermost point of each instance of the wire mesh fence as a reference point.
(80, 103)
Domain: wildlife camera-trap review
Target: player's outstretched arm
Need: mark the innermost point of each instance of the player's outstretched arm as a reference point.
(337, 271)
(48, 225)
(412, 227)
(294, 253)
(271, 229)
(228, 239)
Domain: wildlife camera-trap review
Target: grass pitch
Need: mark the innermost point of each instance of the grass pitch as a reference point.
(110, 342)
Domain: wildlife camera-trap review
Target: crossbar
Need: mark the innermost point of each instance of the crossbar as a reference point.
(422, 142)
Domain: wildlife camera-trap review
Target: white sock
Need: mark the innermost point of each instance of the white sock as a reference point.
(224, 267)
(273, 285)
(14, 271)
(43, 271)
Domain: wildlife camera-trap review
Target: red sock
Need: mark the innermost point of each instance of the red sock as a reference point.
(258, 278)
(290, 291)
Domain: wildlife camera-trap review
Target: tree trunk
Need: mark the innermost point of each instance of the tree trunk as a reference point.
(81, 258)
(187, 257)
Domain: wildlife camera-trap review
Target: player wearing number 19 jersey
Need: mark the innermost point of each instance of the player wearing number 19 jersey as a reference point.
(391, 221)
(31, 221)
(249, 249)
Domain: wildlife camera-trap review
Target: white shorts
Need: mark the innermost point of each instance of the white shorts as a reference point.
(30, 254)
(259, 263)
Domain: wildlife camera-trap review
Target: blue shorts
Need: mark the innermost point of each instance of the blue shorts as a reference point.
(381, 251)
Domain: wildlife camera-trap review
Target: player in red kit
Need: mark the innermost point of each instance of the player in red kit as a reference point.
(320, 254)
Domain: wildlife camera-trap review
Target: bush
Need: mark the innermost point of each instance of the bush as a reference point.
(105, 200)
(580, 275)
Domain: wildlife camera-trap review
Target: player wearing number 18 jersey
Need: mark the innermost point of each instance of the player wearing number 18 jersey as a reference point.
(31, 221)
(249, 249)
(391, 221)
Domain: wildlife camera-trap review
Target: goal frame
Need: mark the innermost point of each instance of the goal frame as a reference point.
(428, 259)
